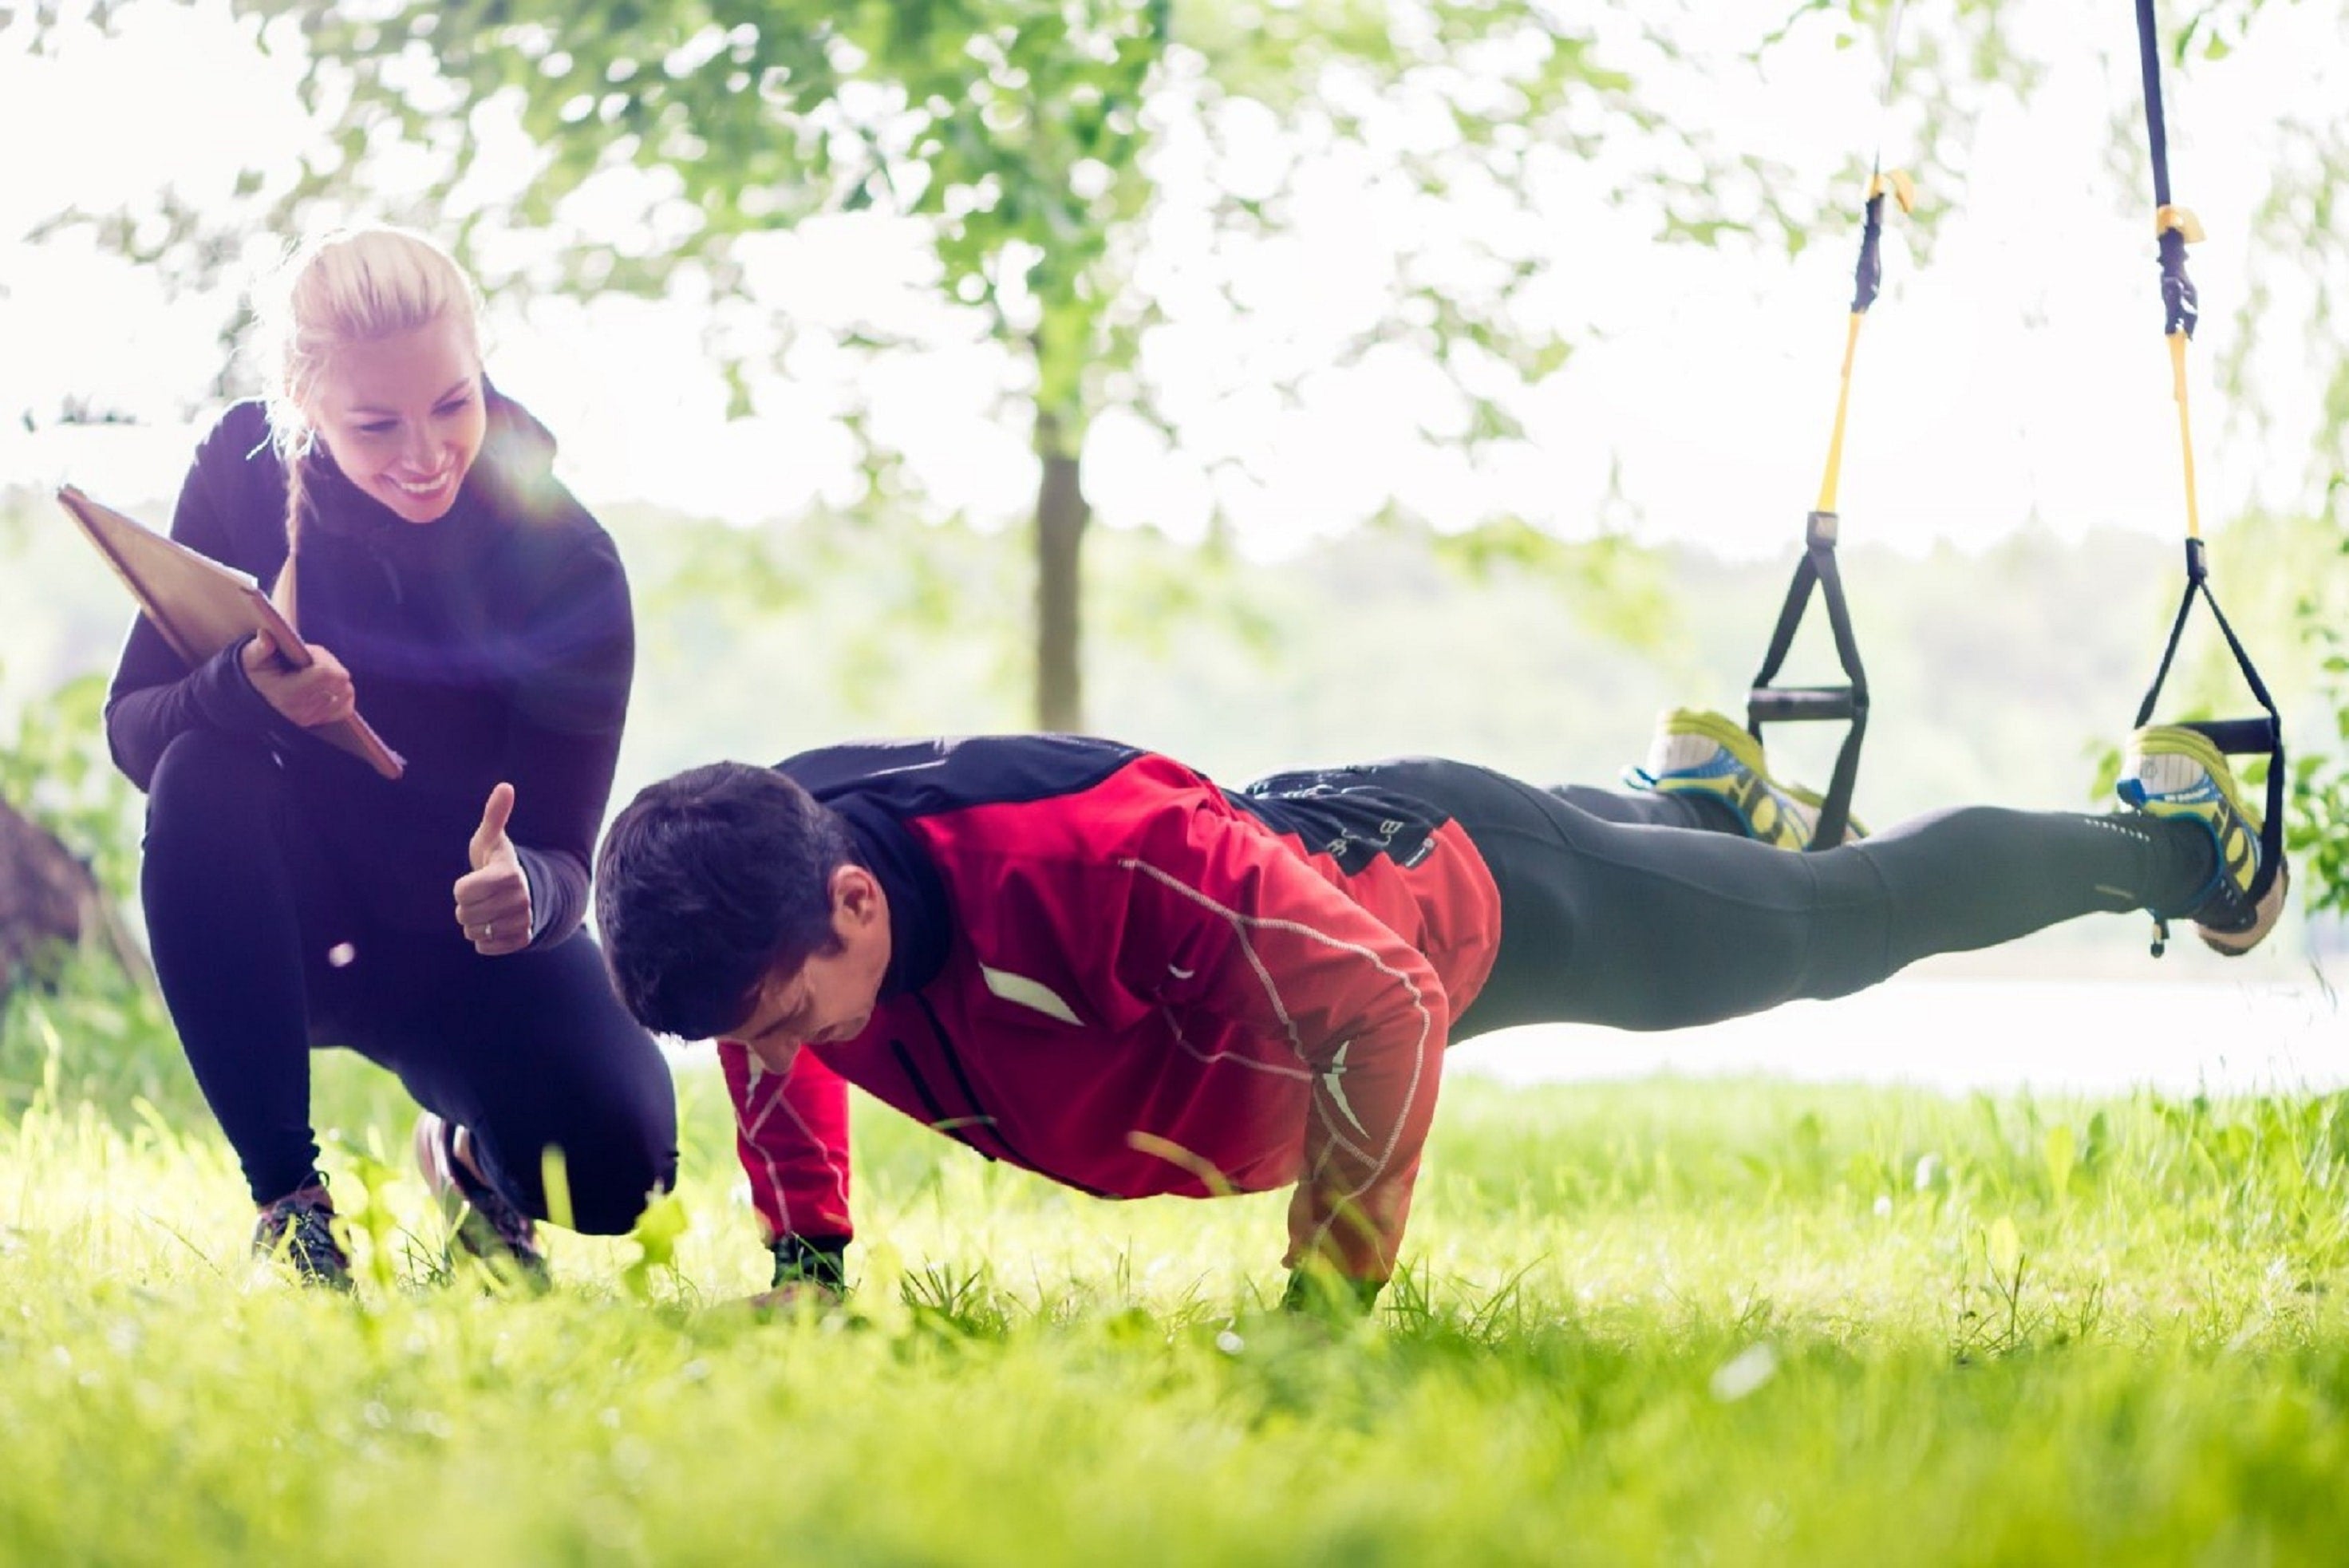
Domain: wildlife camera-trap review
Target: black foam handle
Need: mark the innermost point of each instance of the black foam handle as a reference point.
(2237, 737)
(1799, 704)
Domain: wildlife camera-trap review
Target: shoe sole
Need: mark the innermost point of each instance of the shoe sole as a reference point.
(2266, 914)
(2175, 741)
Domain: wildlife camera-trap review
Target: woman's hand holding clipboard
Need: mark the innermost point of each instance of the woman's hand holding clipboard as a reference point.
(312, 695)
(201, 607)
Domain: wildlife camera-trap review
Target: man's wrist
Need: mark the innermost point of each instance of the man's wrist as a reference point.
(810, 1260)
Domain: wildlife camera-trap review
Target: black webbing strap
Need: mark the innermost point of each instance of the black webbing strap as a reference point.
(2236, 737)
(2180, 308)
(1869, 275)
(1765, 703)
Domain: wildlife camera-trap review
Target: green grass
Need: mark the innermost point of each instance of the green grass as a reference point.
(1719, 1321)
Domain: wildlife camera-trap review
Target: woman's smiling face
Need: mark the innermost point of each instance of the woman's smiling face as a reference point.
(403, 416)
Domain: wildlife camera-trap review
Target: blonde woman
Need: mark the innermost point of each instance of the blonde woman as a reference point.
(447, 581)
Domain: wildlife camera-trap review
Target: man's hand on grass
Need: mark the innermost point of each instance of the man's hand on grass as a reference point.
(1322, 1292)
(808, 1275)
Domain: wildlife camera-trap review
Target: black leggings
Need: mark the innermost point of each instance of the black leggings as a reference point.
(262, 956)
(1614, 911)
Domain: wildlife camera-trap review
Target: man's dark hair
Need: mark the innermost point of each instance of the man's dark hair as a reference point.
(707, 881)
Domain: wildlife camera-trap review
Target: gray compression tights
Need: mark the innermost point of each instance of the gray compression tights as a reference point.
(1648, 911)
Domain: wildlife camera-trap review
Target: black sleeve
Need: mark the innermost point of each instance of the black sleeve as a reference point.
(571, 701)
(155, 697)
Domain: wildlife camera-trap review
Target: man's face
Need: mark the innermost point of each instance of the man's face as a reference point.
(830, 997)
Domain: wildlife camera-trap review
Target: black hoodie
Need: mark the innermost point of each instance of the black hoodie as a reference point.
(495, 644)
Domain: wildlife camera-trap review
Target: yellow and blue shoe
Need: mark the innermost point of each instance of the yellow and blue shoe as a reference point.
(2167, 770)
(1698, 752)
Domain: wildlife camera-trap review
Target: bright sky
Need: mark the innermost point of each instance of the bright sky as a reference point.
(2021, 375)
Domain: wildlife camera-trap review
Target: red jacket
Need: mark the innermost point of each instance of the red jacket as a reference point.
(1107, 969)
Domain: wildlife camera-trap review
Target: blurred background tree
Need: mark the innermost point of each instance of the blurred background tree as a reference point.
(65, 868)
(1044, 153)
(1043, 149)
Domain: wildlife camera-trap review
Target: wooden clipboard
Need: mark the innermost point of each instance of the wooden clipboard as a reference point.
(201, 607)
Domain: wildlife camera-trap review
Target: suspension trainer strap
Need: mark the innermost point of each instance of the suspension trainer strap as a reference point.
(2175, 228)
(2236, 737)
(1867, 277)
(1766, 703)
(2180, 308)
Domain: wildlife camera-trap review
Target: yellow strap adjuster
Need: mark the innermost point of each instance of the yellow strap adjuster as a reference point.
(1903, 189)
(2168, 218)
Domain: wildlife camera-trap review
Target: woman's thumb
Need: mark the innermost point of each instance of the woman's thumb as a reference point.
(492, 831)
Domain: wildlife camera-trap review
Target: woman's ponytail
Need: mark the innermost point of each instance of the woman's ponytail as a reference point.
(286, 593)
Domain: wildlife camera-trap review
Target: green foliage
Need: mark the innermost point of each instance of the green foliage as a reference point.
(1021, 133)
(92, 1037)
(92, 1031)
(655, 1235)
(2318, 836)
(1012, 128)
(55, 771)
(1609, 584)
(1022, 138)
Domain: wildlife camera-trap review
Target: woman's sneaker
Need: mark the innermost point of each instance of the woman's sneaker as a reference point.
(299, 1230)
(1697, 753)
(484, 1224)
(2169, 771)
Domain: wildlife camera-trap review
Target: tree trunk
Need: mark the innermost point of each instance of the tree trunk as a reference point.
(1061, 513)
(48, 900)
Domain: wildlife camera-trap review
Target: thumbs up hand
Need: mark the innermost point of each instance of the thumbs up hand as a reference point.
(494, 897)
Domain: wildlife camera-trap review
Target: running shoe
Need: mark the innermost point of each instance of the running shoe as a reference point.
(300, 1231)
(1698, 753)
(484, 1224)
(2169, 771)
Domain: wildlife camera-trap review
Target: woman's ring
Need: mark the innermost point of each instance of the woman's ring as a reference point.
(489, 929)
